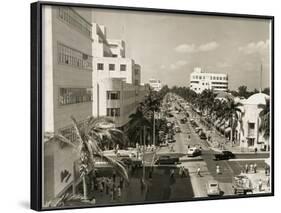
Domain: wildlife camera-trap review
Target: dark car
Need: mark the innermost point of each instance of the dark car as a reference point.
(166, 159)
(203, 136)
(224, 155)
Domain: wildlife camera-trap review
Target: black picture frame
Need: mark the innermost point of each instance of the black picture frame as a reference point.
(36, 95)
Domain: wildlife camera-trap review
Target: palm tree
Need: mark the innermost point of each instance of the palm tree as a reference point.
(137, 122)
(90, 136)
(232, 111)
(265, 119)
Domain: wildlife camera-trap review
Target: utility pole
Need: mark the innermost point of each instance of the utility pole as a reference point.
(261, 79)
(143, 166)
(153, 136)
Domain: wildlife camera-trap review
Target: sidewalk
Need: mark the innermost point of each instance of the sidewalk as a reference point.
(219, 142)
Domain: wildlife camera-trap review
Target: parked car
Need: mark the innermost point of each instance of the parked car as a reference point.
(193, 151)
(166, 159)
(213, 188)
(177, 129)
(197, 129)
(203, 136)
(171, 140)
(224, 155)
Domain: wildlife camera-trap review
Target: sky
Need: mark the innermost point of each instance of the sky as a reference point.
(169, 46)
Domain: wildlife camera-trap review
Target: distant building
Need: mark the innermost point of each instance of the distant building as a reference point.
(156, 85)
(200, 81)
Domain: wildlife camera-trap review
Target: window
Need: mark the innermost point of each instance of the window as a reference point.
(200, 77)
(113, 112)
(70, 56)
(114, 55)
(136, 82)
(73, 19)
(100, 66)
(123, 67)
(111, 67)
(136, 71)
(113, 95)
(74, 95)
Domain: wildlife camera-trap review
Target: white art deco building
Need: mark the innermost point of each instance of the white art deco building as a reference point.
(200, 81)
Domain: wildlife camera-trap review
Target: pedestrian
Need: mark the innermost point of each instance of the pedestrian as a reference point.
(218, 169)
(260, 185)
(150, 173)
(199, 172)
(111, 194)
(251, 167)
(100, 187)
(255, 168)
(256, 150)
(107, 187)
(180, 171)
(114, 176)
(172, 173)
(121, 182)
(119, 192)
(246, 168)
(268, 181)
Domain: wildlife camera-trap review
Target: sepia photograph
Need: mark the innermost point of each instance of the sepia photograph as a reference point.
(144, 106)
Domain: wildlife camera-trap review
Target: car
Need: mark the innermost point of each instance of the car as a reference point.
(177, 129)
(203, 136)
(171, 140)
(193, 151)
(197, 129)
(224, 155)
(164, 144)
(213, 188)
(166, 159)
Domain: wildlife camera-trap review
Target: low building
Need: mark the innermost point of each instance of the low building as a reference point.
(200, 81)
(247, 131)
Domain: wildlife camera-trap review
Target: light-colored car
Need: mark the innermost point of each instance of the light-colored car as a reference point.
(193, 151)
(213, 188)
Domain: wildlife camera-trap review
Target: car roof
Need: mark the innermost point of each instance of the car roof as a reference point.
(212, 182)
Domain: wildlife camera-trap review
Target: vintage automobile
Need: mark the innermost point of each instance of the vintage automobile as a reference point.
(224, 155)
(193, 151)
(213, 188)
(166, 159)
(242, 185)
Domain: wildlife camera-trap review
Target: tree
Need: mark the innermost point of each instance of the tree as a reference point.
(90, 138)
(232, 112)
(265, 119)
(242, 91)
(137, 121)
(266, 91)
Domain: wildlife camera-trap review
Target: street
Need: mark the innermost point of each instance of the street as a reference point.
(206, 163)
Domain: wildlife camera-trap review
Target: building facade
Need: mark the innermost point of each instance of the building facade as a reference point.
(247, 131)
(200, 81)
(156, 85)
(84, 74)
(116, 79)
(67, 86)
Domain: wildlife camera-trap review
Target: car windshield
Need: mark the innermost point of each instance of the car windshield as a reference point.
(213, 185)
